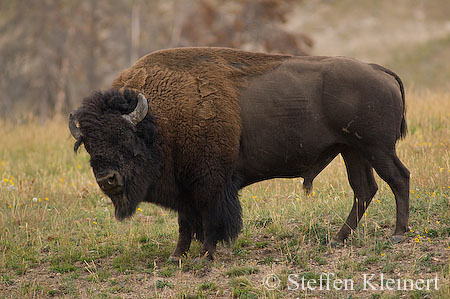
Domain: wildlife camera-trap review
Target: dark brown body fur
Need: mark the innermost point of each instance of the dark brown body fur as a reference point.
(228, 118)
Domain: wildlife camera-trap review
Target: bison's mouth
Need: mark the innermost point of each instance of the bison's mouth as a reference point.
(115, 192)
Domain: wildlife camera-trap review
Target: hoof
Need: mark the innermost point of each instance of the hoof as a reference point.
(205, 257)
(396, 239)
(174, 259)
(336, 244)
(201, 261)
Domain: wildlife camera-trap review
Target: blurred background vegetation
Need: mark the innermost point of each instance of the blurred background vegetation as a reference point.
(55, 52)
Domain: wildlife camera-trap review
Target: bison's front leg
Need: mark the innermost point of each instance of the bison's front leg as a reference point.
(221, 218)
(186, 232)
(211, 234)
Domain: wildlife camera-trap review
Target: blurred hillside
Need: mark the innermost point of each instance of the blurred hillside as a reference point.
(410, 36)
(53, 53)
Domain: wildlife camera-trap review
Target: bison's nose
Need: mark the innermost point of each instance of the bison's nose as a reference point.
(110, 181)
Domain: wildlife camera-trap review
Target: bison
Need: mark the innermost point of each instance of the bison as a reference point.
(187, 128)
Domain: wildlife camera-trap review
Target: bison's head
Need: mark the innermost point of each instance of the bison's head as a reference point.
(119, 135)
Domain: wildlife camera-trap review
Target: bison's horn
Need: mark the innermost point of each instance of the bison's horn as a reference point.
(74, 129)
(139, 112)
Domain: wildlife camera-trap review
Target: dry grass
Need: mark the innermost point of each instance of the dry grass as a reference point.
(59, 237)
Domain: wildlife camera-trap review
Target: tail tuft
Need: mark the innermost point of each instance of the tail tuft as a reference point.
(403, 127)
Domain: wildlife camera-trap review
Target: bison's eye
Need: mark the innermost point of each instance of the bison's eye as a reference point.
(111, 180)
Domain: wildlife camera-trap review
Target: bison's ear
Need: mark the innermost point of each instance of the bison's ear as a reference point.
(139, 113)
(147, 130)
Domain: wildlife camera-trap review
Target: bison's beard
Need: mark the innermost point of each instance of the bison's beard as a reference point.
(123, 207)
(126, 202)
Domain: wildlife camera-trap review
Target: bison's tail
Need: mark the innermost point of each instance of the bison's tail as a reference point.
(403, 125)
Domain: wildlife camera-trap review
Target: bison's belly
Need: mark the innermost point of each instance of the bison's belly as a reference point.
(282, 156)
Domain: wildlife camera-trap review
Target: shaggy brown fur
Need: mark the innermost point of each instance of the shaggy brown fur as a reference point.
(194, 94)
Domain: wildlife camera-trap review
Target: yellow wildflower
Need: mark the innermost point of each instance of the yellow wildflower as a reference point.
(139, 209)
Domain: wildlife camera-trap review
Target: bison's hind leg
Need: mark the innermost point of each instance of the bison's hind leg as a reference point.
(396, 175)
(362, 181)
